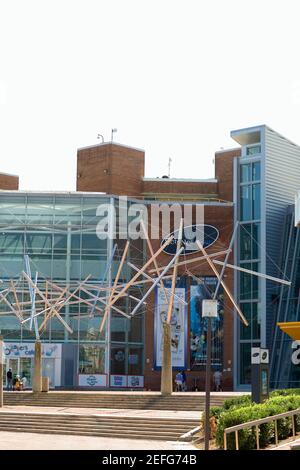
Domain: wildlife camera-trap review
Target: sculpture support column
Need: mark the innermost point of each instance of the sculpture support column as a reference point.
(37, 372)
(166, 370)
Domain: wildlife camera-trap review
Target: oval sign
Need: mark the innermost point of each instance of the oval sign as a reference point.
(207, 234)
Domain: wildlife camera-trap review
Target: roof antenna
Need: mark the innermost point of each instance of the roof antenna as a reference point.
(112, 133)
(169, 167)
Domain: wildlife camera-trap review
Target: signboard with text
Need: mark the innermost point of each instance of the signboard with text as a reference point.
(92, 380)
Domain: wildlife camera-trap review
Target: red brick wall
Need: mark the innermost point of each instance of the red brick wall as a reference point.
(178, 187)
(222, 219)
(110, 168)
(9, 182)
(224, 172)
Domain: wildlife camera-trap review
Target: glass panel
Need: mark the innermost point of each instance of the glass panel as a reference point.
(256, 201)
(118, 360)
(255, 322)
(40, 243)
(135, 361)
(118, 327)
(48, 370)
(255, 283)
(256, 241)
(10, 327)
(245, 242)
(245, 331)
(91, 359)
(135, 334)
(245, 362)
(245, 281)
(256, 171)
(254, 150)
(11, 243)
(246, 202)
(246, 173)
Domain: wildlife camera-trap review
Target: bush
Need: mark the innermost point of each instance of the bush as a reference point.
(244, 400)
(285, 392)
(247, 438)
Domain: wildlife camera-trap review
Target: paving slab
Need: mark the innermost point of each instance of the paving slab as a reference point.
(163, 414)
(32, 441)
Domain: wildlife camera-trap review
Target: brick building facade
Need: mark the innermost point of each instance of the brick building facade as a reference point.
(115, 169)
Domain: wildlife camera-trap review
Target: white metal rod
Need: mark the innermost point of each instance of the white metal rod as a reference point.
(194, 260)
(157, 280)
(255, 273)
(225, 261)
(153, 280)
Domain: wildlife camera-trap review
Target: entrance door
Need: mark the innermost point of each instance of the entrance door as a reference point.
(26, 370)
(14, 366)
(48, 370)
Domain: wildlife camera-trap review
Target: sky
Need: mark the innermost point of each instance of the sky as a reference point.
(174, 77)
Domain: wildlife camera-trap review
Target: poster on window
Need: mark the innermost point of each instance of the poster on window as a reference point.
(135, 381)
(178, 327)
(118, 381)
(198, 334)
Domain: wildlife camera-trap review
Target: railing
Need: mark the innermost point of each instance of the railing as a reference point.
(257, 423)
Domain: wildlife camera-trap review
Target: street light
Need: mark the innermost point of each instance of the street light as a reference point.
(209, 311)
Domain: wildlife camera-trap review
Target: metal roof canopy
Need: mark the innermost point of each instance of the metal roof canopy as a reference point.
(291, 328)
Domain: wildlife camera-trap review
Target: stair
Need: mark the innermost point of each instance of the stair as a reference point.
(110, 400)
(102, 426)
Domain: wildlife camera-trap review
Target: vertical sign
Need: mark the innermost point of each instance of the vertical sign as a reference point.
(178, 327)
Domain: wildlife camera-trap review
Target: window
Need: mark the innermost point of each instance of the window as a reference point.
(91, 359)
(253, 150)
(249, 241)
(256, 171)
(246, 196)
(256, 202)
(246, 173)
(249, 286)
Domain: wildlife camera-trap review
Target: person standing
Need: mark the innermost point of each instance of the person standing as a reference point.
(24, 382)
(9, 379)
(218, 381)
(178, 382)
(184, 386)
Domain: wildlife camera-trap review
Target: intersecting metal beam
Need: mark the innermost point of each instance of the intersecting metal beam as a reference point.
(193, 260)
(156, 281)
(254, 273)
(240, 313)
(152, 279)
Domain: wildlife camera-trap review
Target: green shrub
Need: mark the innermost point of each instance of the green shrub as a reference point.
(285, 392)
(247, 438)
(244, 400)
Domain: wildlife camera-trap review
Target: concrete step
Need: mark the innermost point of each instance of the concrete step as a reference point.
(133, 428)
(81, 400)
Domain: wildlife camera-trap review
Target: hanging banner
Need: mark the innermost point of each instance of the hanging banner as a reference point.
(178, 327)
(198, 324)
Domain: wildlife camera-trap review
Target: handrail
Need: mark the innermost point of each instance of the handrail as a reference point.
(256, 423)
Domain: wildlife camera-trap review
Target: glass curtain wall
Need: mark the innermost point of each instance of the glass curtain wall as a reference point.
(58, 233)
(249, 257)
(285, 366)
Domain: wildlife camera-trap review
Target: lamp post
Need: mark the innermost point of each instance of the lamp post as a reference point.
(209, 311)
